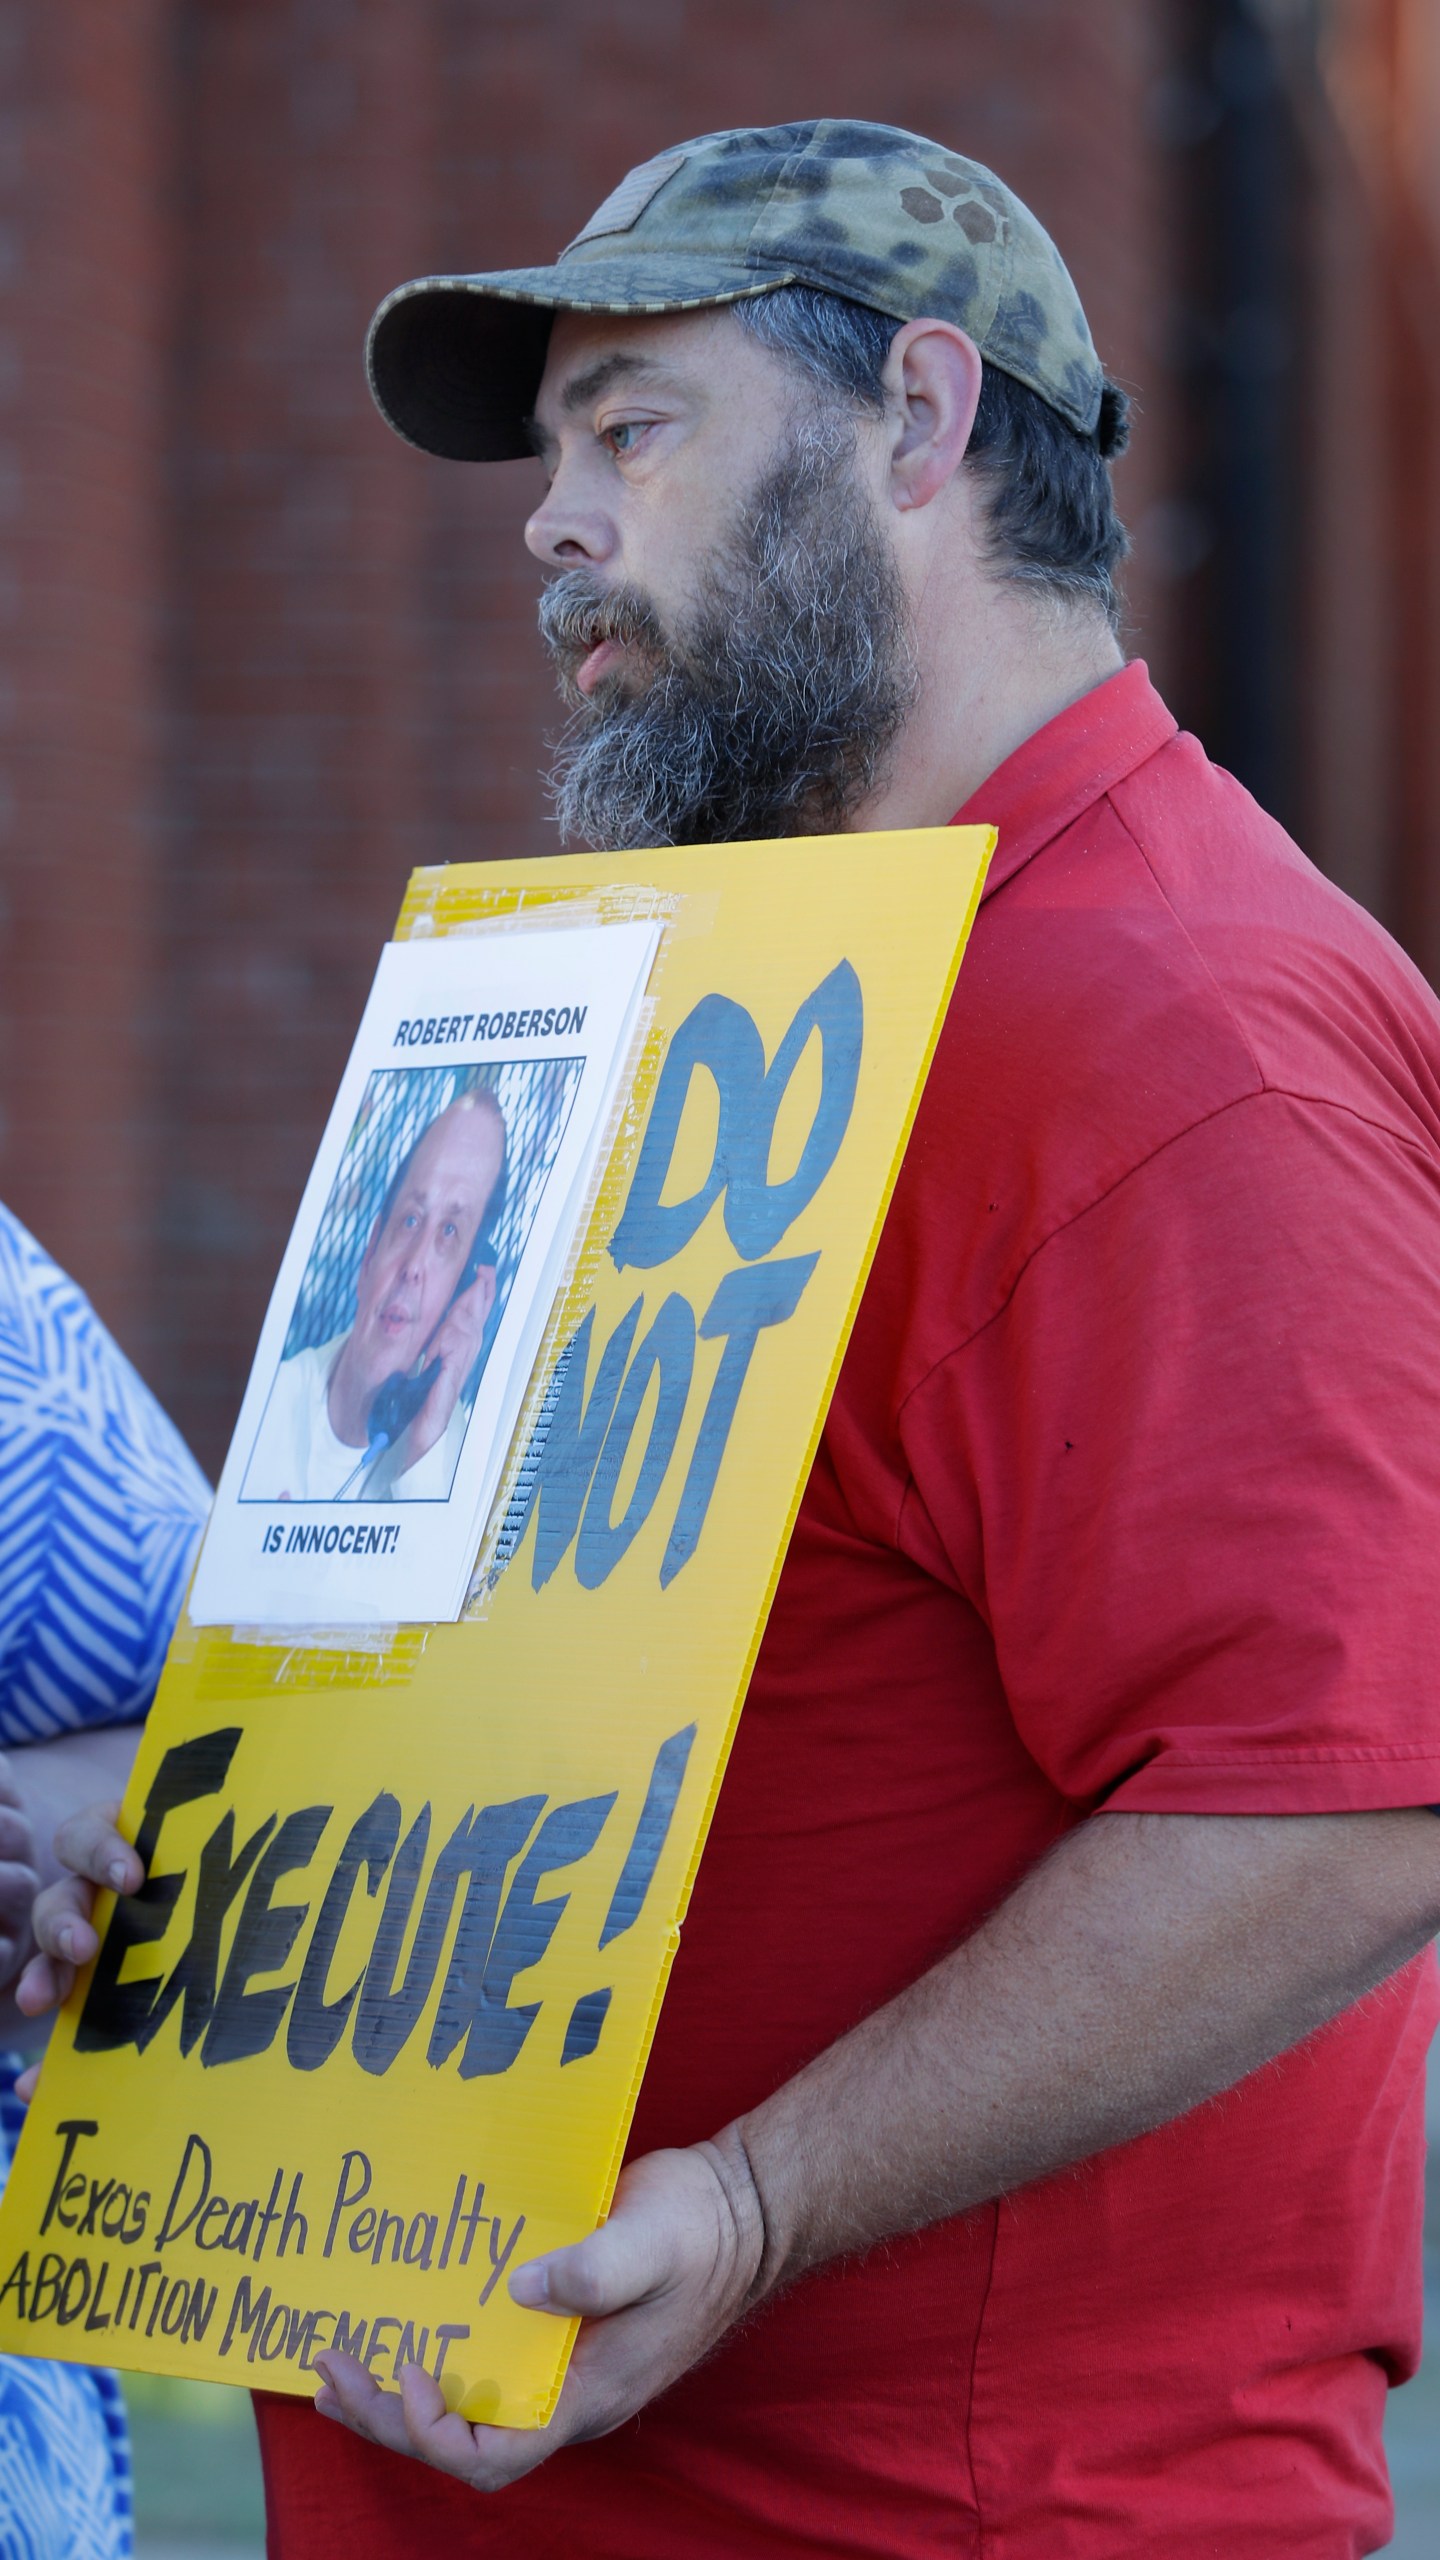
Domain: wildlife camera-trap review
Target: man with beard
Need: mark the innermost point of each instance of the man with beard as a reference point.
(787, 678)
(1084, 1770)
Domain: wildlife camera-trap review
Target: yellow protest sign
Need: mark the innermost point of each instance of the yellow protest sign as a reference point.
(373, 2031)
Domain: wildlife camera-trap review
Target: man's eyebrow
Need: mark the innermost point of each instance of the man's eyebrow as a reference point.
(583, 389)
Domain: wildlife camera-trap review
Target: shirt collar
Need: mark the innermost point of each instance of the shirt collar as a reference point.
(1066, 767)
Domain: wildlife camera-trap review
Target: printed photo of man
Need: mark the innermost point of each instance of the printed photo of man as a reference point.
(376, 1412)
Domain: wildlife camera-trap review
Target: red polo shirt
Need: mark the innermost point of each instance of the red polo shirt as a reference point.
(1129, 1498)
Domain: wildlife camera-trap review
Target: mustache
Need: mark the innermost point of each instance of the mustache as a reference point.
(577, 613)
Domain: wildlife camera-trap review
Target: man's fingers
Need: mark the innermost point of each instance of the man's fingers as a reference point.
(90, 1845)
(416, 2421)
(44, 1984)
(18, 1888)
(17, 1837)
(437, 2434)
(25, 2085)
(458, 1336)
(413, 2420)
(61, 1921)
(353, 2396)
(19, 1884)
(92, 1848)
(614, 2267)
(656, 2285)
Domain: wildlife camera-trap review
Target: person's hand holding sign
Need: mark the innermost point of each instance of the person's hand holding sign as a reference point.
(91, 1853)
(42, 1787)
(657, 2287)
(1059, 2028)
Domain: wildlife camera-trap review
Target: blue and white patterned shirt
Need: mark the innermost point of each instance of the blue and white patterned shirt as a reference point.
(101, 1505)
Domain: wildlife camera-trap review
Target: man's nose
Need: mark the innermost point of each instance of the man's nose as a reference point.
(568, 529)
(419, 1250)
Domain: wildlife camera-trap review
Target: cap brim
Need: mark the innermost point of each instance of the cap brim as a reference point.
(455, 361)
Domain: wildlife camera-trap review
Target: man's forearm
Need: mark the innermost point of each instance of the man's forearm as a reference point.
(1150, 1962)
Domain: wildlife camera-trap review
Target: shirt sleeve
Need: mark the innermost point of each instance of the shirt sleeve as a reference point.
(101, 1506)
(1190, 1475)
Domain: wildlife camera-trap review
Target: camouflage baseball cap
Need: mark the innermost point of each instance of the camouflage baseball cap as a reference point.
(864, 210)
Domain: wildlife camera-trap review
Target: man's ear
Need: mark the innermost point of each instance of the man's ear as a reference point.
(932, 384)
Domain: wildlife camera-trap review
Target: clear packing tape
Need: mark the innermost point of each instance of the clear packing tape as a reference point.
(374, 2031)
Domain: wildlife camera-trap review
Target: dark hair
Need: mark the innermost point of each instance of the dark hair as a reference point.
(1052, 509)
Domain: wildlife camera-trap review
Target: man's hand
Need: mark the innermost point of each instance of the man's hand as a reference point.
(1149, 1962)
(455, 1343)
(656, 2286)
(19, 1872)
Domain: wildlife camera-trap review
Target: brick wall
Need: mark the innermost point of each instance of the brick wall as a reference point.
(301, 734)
(83, 320)
(257, 658)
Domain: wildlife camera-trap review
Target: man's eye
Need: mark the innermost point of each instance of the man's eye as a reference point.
(624, 437)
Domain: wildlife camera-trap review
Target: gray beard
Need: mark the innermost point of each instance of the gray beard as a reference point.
(771, 711)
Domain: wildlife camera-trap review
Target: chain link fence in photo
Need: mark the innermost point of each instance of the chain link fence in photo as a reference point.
(534, 1097)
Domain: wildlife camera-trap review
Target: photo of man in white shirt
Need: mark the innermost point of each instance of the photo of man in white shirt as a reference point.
(343, 1416)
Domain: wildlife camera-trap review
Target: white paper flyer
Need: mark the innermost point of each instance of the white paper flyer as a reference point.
(419, 1275)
